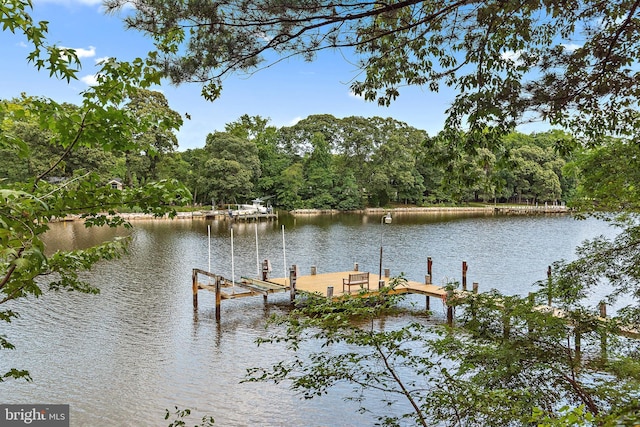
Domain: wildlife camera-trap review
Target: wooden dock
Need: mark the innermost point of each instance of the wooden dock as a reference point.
(329, 285)
(222, 215)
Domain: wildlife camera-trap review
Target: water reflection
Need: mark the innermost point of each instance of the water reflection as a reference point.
(120, 358)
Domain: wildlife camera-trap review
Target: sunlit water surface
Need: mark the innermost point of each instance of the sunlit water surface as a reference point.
(122, 357)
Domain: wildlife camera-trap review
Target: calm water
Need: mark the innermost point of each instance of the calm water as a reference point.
(121, 357)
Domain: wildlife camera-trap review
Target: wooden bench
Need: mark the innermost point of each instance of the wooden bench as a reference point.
(356, 279)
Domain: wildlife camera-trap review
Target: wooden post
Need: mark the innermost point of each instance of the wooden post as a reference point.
(429, 265)
(380, 269)
(428, 303)
(314, 270)
(449, 307)
(427, 279)
(194, 288)
(387, 273)
(549, 293)
(218, 296)
(532, 302)
(475, 287)
(265, 269)
(506, 324)
(292, 279)
(464, 275)
(472, 307)
(603, 337)
(603, 309)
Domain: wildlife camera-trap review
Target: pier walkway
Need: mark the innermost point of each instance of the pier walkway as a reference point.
(326, 282)
(330, 285)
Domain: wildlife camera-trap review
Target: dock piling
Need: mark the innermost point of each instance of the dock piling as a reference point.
(549, 290)
(603, 334)
(218, 296)
(194, 288)
(464, 275)
(445, 301)
(292, 280)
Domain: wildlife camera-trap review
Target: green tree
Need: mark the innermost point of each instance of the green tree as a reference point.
(319, 174)
(273, 160)
(158, 139)
(291, 183)
(196, 180)
(27, 207)
(230, 169)
(609, 176)
(506, 362)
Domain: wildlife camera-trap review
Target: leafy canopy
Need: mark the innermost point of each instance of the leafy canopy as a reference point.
(571, 63)
(28, 207)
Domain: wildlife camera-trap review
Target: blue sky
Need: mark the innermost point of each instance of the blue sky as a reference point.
(284, 93)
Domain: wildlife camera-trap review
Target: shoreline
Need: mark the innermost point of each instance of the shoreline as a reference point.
(493, 209)
(434, 210)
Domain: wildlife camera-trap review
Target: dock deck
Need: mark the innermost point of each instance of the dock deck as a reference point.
(331, 285)
(318, 283)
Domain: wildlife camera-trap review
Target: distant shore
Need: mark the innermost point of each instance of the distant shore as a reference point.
(487, 210)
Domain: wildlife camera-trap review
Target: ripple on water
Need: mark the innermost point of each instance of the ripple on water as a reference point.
(122, 357)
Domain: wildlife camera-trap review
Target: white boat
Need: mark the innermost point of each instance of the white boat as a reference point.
(256, 207)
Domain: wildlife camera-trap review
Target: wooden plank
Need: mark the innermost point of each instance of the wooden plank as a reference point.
(204, 273)
(261, 284)
(226, 295)
(319, 283)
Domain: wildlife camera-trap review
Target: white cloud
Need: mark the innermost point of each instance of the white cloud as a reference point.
(86, 53)
(512, 56)
(263, 36)
(571, 47)
(90, 80)
(294, 121)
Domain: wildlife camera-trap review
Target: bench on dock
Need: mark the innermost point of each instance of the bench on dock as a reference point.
(356, 279)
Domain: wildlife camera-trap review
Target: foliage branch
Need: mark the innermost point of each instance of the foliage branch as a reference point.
(27, 208)
(573, 64)
(508, 361)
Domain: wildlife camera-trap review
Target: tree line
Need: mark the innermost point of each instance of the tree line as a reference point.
(321, 162)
